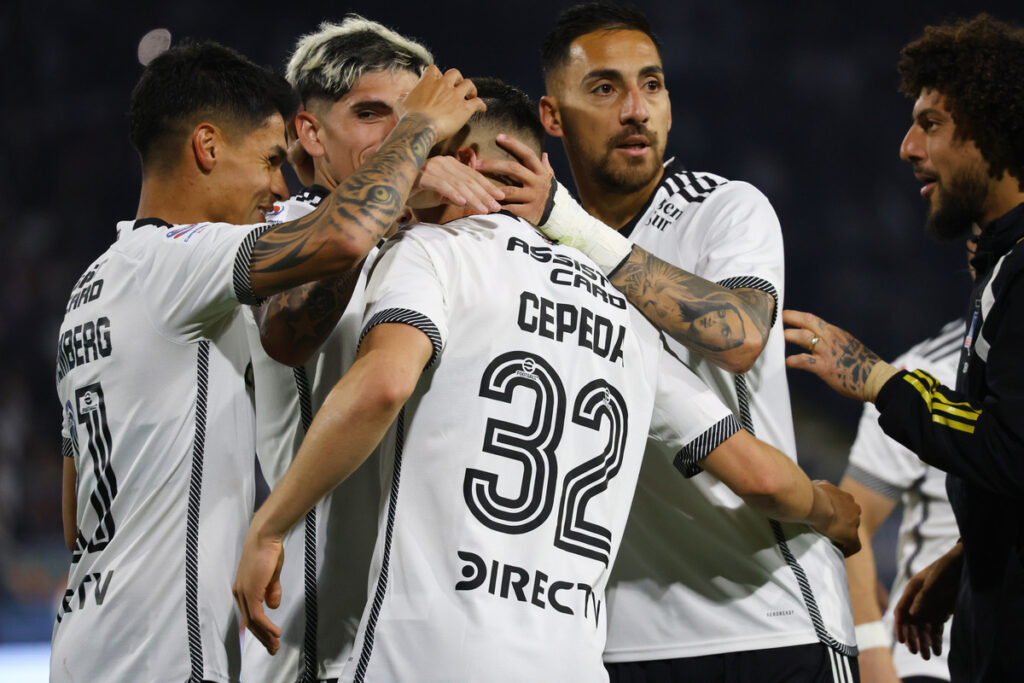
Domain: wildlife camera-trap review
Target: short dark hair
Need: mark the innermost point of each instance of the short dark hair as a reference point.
(508, 107)
(580, 20)
(327, 63)
(202, 79)
(978, 65)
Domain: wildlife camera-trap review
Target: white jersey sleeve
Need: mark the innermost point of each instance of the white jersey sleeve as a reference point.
(742, 241)
(406, 286)
(198, 274)
(689, 419)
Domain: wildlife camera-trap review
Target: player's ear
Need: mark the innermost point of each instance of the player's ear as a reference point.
(550, 116)
(468, 155)
(307, 129)
(206, 137)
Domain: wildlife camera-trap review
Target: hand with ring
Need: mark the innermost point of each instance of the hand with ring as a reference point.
(843, 363)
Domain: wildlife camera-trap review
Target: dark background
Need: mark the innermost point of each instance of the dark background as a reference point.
(799, 99)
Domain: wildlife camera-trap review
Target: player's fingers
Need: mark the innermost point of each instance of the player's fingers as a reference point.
(937, 630)
(798, 318)
(802, 361)
(509, 169)
(801, 337)
(517, 195)
(522, 152)
(547, 163)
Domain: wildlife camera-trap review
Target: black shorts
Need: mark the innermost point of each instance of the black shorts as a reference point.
(814, 663)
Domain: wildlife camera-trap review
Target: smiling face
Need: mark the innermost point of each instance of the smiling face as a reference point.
(247, 178)
(955, 176)
(351, 129)
(613, 110)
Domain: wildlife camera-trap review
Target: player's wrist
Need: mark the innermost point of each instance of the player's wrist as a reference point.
(881, 372)
(872, 634)
(566, 222)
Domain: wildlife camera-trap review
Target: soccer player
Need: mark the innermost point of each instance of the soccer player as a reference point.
(152, 352)
(881, 474)
(766, 601)
(523, 388)
(351, 77)
(966, 145)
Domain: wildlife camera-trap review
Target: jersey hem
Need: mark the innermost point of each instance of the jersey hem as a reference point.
(738, 644)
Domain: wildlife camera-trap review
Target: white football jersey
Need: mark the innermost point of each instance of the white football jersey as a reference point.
(151, 361)
(928, 528)
(510, 471)
(701, 573)
(327, 556)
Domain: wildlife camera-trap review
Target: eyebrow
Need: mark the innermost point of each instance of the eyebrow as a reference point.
(379, 105)
(924, 112)
(615, 74)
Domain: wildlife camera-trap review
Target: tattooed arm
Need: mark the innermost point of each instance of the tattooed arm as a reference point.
(295, 323)
(351, 220)
(729, 327)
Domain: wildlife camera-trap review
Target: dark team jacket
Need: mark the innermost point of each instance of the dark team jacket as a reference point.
(976, 435)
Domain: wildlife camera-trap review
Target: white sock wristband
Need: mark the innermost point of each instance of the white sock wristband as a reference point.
(871, 635)
(569, 224)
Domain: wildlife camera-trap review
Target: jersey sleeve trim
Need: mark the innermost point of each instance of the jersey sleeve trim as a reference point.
(876, 484)
(698, 449)
(407, 317)
(751, 282)
(243, 261)
(67, 449)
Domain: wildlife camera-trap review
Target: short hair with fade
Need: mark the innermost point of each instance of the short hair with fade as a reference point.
(580, 20)
(509, 108)
(326, 64)
(978, 65)
(194, 81)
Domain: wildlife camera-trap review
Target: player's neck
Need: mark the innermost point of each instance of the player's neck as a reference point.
(172, 199)
(612, 206)
(1003, 198)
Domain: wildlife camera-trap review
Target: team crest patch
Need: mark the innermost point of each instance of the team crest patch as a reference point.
(278, 208)
(187, 232)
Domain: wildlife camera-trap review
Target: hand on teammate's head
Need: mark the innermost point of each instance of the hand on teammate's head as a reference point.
(447, 100)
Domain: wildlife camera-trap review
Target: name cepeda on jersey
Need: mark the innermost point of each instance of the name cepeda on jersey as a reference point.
(564, 321)
(573, 274)
(516, 583)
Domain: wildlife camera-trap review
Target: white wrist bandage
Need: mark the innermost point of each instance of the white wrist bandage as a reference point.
(566, 222)
(871, 635)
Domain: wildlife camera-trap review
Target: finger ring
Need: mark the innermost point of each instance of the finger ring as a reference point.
(814, 342)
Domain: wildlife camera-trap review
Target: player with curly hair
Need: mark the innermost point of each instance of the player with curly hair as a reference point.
(966, 144)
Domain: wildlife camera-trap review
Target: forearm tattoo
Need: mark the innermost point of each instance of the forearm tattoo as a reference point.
(702, 315)
(303, 317)
(361, 209)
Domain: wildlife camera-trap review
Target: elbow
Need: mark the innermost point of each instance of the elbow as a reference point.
(742, 358)
(389, 392)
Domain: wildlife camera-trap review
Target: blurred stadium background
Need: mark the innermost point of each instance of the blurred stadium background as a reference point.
(798, 98)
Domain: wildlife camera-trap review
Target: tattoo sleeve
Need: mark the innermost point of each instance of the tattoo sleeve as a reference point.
(295, 323)
(350, 221)
(728, 327)
(852, 361)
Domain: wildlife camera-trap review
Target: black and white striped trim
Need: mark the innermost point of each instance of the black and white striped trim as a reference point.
(835, 647)
(67, 448)
(408, 317)
(243, 262)
(915, 532)
(310, 660)
(751, 282)
(876, 484)
(810, 602)
(686, 460)
(382, 578)
(195, 491)
(842, 672)
(693, 187)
